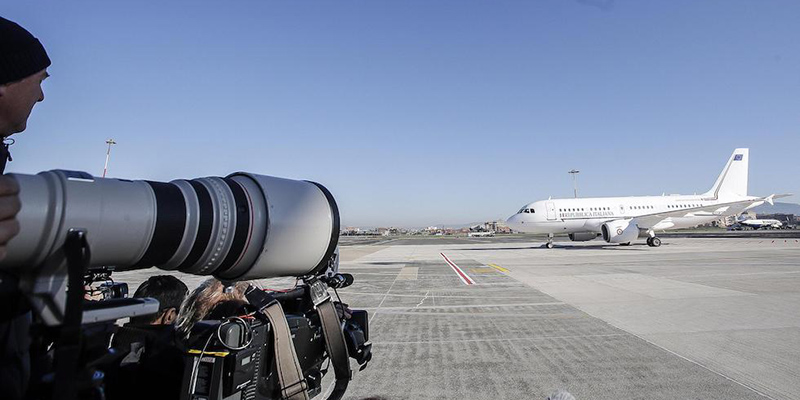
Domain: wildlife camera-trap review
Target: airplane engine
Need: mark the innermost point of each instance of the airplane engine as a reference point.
(620, 231)
(583, 236)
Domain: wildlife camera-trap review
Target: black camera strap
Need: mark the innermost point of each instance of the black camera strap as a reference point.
(334, 338)
(290, 374)
(68, 344)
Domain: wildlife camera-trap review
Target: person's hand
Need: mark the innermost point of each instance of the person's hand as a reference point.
(9, 207)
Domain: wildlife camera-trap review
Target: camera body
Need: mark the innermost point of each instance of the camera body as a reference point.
(236, 355)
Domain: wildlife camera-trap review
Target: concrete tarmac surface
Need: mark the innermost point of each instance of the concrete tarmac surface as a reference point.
(693, 319)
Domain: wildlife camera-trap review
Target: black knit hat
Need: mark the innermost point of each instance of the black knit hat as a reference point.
(21, 54)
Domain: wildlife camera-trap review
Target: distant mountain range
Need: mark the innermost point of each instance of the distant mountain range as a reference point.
(778, 208)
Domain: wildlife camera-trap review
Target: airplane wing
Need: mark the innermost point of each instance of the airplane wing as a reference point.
(769, 198)
(648, 221)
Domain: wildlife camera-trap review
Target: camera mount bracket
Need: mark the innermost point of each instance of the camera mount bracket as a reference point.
(318, 292)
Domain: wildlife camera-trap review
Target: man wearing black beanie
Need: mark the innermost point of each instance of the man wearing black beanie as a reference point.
(23, 67)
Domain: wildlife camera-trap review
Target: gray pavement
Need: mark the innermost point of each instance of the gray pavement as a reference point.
(696, 318)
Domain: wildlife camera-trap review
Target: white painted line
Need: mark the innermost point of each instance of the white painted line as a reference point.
(461, 274)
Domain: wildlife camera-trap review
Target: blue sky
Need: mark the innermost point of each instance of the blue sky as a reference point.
(417, 113)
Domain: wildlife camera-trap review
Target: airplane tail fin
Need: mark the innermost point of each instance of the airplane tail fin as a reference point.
(732, 182)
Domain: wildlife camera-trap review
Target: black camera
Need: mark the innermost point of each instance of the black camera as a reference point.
(236, 355)
(107, 289)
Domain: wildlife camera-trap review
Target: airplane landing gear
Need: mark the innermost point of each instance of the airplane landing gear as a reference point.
(549, 243)
(653, 241)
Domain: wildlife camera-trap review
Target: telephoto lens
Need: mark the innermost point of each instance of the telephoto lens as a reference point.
(243, 226)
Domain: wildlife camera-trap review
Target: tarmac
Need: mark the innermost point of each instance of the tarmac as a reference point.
(693, 319)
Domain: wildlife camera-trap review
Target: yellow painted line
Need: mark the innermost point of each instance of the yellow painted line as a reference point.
(499, 268)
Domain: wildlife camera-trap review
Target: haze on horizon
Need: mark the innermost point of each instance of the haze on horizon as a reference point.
(422, 113)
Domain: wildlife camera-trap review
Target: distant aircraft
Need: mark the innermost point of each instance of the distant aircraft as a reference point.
(481, 234)
(621, 219)
(762, 223)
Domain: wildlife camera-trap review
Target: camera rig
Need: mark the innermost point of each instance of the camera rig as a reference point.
(276, 351)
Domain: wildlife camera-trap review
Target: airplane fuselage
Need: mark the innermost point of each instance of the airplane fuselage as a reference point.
(588, 214)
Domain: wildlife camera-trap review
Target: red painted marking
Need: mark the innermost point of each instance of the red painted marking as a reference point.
(464, 277)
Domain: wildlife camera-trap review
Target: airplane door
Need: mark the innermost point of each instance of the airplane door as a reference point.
(551, 210)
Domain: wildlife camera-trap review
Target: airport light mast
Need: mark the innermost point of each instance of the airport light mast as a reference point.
(574, 173)
(109, 142)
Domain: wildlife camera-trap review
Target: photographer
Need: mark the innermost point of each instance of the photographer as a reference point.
(202, 301)
(23, 67)
(170, 293)
(151, 350)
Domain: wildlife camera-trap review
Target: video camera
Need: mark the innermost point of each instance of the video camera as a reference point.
(236, 356)
(240, 227)
(107, 289)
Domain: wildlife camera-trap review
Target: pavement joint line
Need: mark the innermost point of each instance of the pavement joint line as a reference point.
(499, 268)
(516, 316)
(423, 299)
(502, 339)
(466, 306)
(384, 298)
(444, 296)
(734, 275)
(461, 274)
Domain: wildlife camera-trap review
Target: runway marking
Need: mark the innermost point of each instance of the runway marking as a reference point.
(442, 296)
(461, 275)
(504, 305)
(499, 268)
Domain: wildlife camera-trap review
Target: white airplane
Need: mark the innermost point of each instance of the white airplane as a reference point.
(622, 219)
(762, 223)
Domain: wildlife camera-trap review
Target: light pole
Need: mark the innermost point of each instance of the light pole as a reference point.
(109, 142)
(574, 174)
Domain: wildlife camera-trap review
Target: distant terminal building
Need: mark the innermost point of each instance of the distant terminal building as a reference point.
(351, 231)
(491, 226)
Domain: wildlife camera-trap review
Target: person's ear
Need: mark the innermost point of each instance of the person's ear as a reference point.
(169, 316)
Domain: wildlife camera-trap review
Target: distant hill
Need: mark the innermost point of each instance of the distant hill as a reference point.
(778, 208)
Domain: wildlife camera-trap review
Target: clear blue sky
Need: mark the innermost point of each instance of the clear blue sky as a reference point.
(416, 113)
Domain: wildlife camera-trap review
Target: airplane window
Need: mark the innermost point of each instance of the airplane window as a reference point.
(533, 211)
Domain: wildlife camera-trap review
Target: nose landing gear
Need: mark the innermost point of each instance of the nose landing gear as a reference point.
(549, 243)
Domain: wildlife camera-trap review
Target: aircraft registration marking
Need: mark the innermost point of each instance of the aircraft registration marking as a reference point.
(499, 268)
(461, 274)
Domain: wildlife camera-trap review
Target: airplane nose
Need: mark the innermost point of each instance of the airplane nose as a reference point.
(514, 221)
